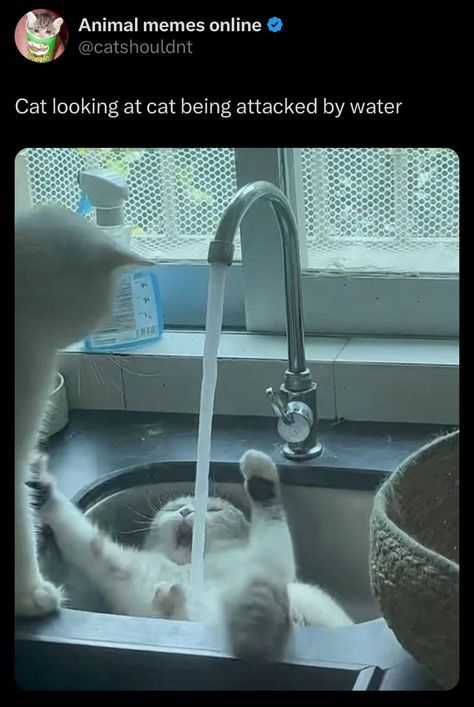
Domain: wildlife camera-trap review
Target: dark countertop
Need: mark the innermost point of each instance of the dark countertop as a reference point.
(99, 442)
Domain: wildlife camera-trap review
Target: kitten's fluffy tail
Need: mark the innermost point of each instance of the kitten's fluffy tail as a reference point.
(258, 623)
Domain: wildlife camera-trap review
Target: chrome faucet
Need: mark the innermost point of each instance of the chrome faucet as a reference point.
(295, 402)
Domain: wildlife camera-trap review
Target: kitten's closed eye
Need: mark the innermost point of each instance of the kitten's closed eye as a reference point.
(173, 509)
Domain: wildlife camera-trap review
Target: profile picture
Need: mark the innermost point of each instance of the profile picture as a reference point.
(41, 35)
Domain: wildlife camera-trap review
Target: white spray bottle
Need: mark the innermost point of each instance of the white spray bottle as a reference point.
(137, 317)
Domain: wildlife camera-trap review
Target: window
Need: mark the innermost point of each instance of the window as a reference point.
(379, 241)
(381, 210)
(176, 195)
(378, 231)
(176, 198)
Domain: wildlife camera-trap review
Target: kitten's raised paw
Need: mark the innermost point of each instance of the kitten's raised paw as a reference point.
(260, 474)
(42, 599)
(169, 600)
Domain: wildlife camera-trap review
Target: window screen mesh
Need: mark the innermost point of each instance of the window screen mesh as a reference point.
(364, 209)
(177, 195)
(376, 209)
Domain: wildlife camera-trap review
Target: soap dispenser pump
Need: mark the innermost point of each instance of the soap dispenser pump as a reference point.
(106, 191)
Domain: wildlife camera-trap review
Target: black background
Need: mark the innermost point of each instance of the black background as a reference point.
(347, 53)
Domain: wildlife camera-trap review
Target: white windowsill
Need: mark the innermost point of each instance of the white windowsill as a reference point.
(359, 378)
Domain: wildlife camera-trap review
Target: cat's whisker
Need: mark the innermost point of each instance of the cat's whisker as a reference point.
(150, 503)
(115, 360)
(154, 508)
(101, 375)
(95, 369)
(165, 497)
(141, 515)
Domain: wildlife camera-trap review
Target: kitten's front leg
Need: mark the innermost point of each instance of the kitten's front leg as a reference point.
(105, 563)
(34, 596)
(271, 546)
(256, 606)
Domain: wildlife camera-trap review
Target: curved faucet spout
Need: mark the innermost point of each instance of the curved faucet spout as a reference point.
(298, 385)
(221, 249)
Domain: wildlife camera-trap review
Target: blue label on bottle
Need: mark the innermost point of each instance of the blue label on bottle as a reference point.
(137, 317)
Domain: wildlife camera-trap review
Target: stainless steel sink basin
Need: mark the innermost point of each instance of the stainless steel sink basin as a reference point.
(328, 501)
(328, 510)
(330, 526)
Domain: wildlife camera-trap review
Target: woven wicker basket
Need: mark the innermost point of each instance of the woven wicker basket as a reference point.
(414, 556)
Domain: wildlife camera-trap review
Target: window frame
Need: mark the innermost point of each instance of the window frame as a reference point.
(350, 303)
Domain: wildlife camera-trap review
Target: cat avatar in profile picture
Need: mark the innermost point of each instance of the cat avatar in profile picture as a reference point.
(41, 36)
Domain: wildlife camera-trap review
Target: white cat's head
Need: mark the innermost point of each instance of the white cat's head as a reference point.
(65, 275)
(172, 526)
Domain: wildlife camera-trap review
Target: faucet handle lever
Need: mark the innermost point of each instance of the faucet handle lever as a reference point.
(279, 407)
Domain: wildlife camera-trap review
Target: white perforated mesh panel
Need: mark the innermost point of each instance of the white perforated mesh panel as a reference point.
(364, 209)
(381, 209)
(177, 195)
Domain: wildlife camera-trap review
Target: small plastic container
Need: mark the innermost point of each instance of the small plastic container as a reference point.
(137, 317)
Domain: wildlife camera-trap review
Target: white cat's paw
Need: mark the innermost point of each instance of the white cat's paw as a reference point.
(43, 598)
(169, 600)
(261, 476)
(254, 463)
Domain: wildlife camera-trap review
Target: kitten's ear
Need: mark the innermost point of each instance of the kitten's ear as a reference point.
(57, 23)
(31, 17)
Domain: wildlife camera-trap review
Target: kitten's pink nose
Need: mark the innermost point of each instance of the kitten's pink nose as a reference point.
(185, 512)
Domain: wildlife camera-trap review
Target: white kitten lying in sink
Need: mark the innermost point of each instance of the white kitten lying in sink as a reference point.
(250, 576)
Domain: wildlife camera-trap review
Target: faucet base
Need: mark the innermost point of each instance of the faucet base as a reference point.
(291, 453)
